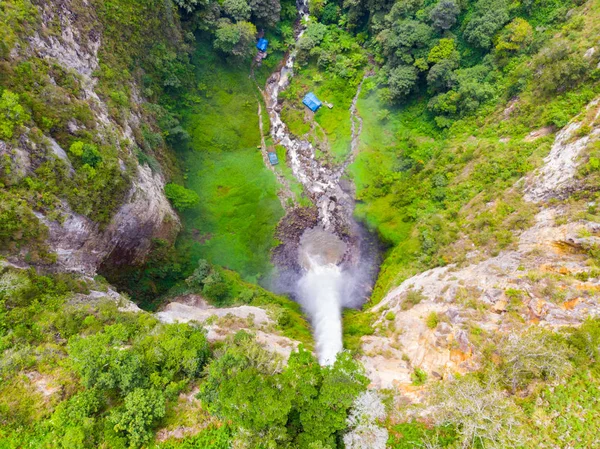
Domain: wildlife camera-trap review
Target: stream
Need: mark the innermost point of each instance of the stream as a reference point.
(335, 259)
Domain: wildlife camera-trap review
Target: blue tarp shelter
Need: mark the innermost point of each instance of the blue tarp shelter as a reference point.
(312, 102)
(273, 159)
(262, 44)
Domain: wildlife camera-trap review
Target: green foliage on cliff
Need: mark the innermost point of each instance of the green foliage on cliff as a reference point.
(181, 197)
(77, 372)
(435, 183)
(300, 405)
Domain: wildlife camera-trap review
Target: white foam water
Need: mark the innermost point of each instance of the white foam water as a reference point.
(320, 293)
(321, 289)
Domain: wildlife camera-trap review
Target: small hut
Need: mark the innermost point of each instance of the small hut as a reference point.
(273, 158)
(262, 44)
(312, 102)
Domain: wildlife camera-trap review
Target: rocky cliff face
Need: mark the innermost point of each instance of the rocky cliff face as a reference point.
(79, 243)
(439, 320)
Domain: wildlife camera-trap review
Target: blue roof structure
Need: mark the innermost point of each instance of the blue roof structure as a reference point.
(262, 44)
(273, 159)
(312, 102)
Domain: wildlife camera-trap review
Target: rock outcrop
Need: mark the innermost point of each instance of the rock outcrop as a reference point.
(433, 320)
(223, 322)
(79, 243)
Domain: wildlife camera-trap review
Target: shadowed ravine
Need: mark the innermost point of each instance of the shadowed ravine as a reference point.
(336, 258)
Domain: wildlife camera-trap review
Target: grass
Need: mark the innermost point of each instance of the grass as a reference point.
(334, 122)
(239, 208)
(296, 187)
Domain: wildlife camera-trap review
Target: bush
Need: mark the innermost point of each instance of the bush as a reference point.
(140, 412)
(535, 354)
(181, 197)
(489, 17)
(199, 275)
(12, 114)
(418, 377)
(432, 321)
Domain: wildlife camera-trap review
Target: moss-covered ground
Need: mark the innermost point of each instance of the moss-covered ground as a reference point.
(234, 223)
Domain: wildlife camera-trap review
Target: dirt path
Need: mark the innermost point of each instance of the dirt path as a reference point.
(356, 123)
(285, 194)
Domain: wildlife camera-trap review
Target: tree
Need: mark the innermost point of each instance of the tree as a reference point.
(482, 414)
(239, 10)
(517, 35)
(91, 156)
(330, 13)
(488, 18)
(404, 10)
(441, 76)
(324, 395)
(12, 114)
(265, 12)
(88, 153)
(181, 197)
(215, 287)
(402, 81)
(243, 385)
(586, 339)
(189, 5)
(314, 34)
(196, 279)
(236, 39)
(72, 423)
(405, 35)
(534, 354)
(140, 412)
(443, 15)
(445, 49)
(363, 422)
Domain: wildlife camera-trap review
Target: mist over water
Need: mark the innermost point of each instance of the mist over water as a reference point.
(321, 289)
(320, 292)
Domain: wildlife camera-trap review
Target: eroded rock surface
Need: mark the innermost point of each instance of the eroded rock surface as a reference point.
(222, 322)
(80, 244)
(436, 320)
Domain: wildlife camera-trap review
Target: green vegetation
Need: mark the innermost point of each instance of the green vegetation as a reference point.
(81, 374)
(452, 93)
(434, 183)
(181, 197)
(238, 210)
(333, 66)
(12, 114)
(303, 404)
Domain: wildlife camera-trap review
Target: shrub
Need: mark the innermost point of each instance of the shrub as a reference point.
(432, 320)
(12, 114)
(181, 197)
(443, 15)
(413, 297)
(141, 410)
(488, 18)
(535, 354)
(418, 377)
(480, 412)
(199, 275)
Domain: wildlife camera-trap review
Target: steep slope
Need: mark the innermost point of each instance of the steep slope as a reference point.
(74, 213)
(440, 320)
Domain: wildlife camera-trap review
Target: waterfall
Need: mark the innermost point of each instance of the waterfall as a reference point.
(333, 271)
(319, 291)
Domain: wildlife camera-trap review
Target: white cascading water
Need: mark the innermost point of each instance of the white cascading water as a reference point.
(320, 290)
(325, 287)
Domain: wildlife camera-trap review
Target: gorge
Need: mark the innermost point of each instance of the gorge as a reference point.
(418, 266)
